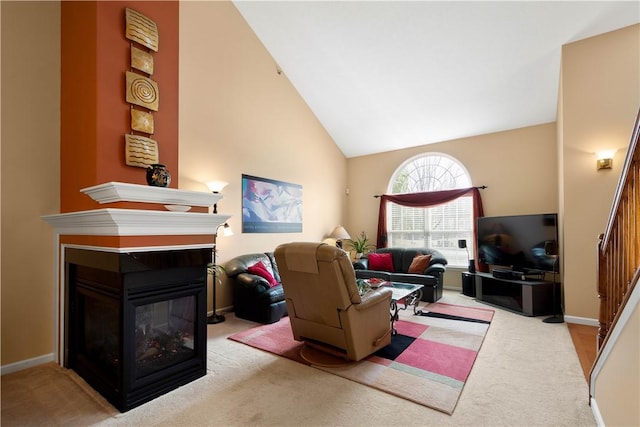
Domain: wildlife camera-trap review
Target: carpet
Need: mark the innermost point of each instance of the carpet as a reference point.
(427, 362)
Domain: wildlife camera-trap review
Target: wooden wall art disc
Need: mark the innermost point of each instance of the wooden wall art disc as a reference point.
(142, 91)
(140, 151)
(141, 29)
(141, 60)
(141, 121)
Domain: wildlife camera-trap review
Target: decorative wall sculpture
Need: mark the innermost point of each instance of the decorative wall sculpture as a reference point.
(141, 60)
(140, 90)
(141, 121)
(141, 29)
(141, 151)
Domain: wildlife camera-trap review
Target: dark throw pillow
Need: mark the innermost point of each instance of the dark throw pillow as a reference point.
(419, 264)
(260, 270)
(381, 262)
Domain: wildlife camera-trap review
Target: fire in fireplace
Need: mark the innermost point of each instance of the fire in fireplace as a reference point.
(164, 334)
(136, 324)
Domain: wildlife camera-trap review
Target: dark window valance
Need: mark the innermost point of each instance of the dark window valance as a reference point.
(426, 200)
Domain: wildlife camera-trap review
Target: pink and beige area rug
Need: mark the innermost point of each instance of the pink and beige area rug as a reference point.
(427, 362)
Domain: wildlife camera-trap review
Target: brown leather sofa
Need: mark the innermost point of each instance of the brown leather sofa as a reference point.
(324, 304)
(432, 277)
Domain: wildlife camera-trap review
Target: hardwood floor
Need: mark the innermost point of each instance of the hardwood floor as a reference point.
(585, 341)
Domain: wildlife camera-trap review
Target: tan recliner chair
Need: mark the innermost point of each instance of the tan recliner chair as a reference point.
(324, 305)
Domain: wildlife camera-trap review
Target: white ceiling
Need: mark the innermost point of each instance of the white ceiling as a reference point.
(385, 75)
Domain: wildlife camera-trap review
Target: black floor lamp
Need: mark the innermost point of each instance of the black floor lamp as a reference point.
(462, 244)
(226, 232)
(216, 187)
(550, 249)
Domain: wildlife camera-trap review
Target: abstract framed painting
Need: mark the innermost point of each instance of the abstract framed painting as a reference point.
(270, 206)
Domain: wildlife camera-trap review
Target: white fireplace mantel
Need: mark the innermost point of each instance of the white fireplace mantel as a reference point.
(134, 222)
(139, 222)
(110, 192)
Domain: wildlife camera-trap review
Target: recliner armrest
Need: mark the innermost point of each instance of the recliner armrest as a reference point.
(374, 297)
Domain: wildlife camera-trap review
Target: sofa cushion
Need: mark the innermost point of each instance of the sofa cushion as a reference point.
(381, 262)
(274, 265)
(260, 269)
(419, 264)
(272, 295)
(417, 279)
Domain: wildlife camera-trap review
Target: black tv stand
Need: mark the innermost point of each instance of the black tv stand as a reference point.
(530, 297)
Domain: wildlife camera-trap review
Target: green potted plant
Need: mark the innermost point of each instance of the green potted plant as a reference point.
(361, 245)
(215, 271)
(218, 270)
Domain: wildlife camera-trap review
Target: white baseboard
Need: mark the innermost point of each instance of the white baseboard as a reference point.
(596, 413)
(581, 320)
(24, 364)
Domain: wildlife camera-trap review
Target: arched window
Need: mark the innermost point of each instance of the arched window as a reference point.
(438, 227)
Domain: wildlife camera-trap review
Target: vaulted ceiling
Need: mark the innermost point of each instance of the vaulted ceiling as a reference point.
(386, 75)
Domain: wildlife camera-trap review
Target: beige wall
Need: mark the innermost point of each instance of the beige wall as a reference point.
(518, 167)
(30, 175)
(239, 115)
(600, 99)
(622, 374)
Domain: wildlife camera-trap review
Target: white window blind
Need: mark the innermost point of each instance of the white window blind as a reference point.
(438, 227)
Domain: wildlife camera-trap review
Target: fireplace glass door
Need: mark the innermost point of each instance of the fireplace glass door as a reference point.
(164, 334)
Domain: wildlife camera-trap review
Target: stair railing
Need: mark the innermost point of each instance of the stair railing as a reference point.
(619, 246)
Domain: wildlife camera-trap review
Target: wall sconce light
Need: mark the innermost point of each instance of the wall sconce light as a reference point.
(605, 159)
(215, 187)
(339, 233)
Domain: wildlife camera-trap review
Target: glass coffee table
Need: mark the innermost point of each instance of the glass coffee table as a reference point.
(410, 294)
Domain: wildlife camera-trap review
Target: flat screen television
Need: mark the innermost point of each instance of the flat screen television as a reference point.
(520, 242)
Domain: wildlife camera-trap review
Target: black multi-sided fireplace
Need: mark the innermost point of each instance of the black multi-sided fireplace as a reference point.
(136, 322)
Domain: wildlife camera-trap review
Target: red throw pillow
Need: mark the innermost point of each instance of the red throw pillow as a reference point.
(419, 264)
(260, 270)
(381, 262)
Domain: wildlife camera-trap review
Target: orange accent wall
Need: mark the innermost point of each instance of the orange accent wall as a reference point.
(94, 114)
(78, 115)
